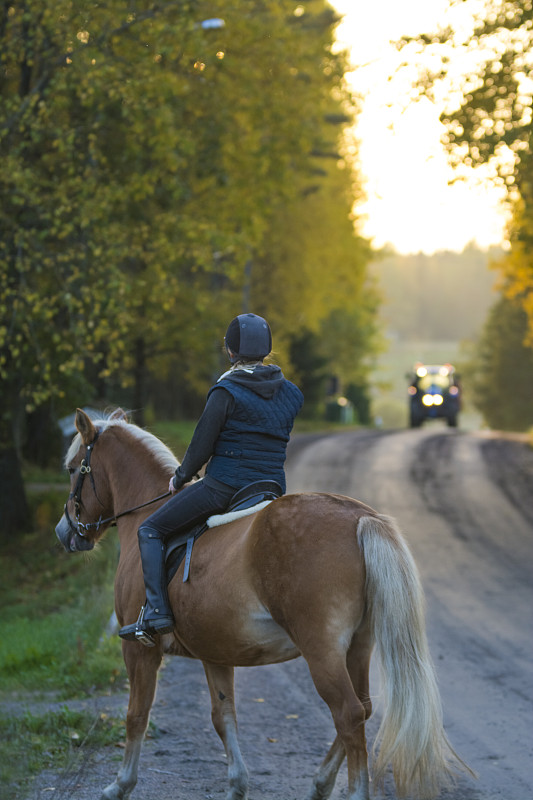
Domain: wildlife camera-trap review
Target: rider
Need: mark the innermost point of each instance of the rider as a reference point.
(242, 435)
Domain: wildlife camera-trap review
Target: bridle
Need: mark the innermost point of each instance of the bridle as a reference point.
(84, 528)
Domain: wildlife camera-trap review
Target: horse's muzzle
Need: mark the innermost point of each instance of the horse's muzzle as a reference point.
(70, 538)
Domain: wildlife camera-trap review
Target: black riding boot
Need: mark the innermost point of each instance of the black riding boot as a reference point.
(156, 615)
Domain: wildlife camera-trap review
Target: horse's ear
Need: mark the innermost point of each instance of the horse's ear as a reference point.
(85, 426)
(119, 414)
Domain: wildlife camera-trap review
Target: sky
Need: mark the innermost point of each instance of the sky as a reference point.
(410, 202)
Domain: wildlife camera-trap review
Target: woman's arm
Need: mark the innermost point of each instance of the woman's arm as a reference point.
(218, 407)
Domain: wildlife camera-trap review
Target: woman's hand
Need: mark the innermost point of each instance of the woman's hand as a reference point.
(171, 488)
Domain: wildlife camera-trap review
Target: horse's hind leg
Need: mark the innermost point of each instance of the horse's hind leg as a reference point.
(334, 684)
(221, 688)
(142, 665)
(324, 780)
(358, 663)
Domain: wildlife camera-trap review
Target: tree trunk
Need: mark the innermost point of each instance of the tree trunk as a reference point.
(42, 440)
(139, 389)
(14, 512)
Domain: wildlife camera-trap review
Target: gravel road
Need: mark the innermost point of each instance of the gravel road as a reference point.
(465, 503)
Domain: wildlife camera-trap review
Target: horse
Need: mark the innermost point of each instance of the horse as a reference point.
(317, 575)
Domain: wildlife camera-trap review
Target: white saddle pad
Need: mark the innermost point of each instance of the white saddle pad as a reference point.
(229, 516)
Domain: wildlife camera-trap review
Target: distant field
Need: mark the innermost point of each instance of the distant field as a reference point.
(390, 384)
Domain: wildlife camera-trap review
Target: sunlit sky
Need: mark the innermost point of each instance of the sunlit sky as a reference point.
(410, 202)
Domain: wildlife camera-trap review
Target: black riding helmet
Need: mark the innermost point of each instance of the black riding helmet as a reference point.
(248, 337)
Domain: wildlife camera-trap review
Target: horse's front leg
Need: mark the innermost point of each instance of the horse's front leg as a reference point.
(142, 665)
(221, 687)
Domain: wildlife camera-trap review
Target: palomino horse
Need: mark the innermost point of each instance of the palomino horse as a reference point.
(317, 575)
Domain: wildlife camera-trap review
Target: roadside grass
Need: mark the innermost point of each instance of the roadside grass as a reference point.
(31, 743)
(55, 607)
(175, 434)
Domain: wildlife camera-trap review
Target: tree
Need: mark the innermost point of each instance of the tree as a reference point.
(312, 277)
(145, 161)
(516, 268)
(65, 190)
(488, 117)
(502, 370)
(310, 371)
(483, 73)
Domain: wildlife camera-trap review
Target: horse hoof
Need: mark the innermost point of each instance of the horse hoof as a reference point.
(114, 792)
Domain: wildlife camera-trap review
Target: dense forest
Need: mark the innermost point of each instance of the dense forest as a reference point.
(165, 166)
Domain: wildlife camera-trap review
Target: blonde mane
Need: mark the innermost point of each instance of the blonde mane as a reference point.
(162, 454)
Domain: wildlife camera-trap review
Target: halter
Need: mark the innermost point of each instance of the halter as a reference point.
(84, 528)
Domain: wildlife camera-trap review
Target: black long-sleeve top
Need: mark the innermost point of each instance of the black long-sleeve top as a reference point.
(217, 409)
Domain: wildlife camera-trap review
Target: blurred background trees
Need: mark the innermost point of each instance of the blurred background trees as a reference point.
(489, 124)
(162, 171)
(502, 371)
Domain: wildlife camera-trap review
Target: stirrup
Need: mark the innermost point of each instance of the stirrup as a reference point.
(144, 638)
(144, 631)
(141, 635)
(135, 632)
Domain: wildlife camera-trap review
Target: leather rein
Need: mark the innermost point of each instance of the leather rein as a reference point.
(84, 528)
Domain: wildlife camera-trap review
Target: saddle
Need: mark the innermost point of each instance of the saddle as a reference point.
(243, 502)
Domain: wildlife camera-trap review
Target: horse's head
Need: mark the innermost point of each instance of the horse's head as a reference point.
(88, 510)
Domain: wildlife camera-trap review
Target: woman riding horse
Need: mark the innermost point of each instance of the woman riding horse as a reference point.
(242, 434)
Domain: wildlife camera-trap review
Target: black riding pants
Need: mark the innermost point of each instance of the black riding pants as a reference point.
(189, 507)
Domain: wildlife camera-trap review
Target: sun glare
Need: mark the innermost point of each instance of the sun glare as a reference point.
(413, 200)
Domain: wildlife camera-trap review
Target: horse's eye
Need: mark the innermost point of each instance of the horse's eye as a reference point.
(71, 470)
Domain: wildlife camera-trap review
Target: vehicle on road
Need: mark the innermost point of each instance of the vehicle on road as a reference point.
(434, 393)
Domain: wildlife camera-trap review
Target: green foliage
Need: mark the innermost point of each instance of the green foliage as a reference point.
(145, 163)
(516, 268)
(484, 70)
(31, 742)
(503, 369)
(359, 396)
(312, 279)
(142, 174)
(311, 372)
(176, 435)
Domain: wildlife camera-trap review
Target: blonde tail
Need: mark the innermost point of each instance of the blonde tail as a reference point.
(411, 736)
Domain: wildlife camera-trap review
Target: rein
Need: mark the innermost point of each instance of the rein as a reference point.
(81, 528)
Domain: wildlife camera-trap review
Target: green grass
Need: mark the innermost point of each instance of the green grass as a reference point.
(175, 435)
(54, 608)
(30, 743)
(45, 475)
